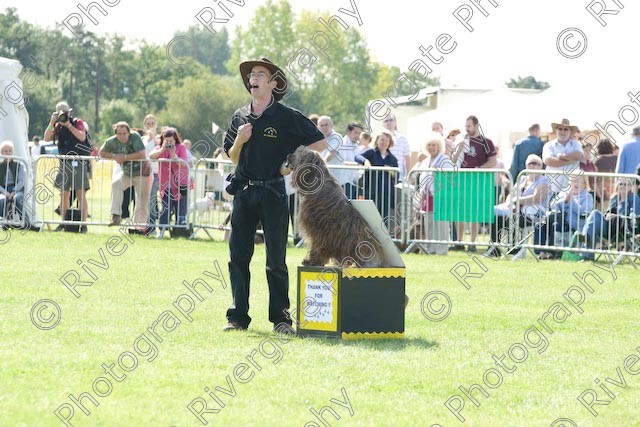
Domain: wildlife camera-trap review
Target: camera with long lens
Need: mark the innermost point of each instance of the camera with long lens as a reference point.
(63, 116)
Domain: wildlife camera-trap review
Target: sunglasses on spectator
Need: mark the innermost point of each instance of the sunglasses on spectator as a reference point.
(561, 128)
(534, 164)
(390, 119)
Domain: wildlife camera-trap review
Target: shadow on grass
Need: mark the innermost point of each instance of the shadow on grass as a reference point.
(371, 344)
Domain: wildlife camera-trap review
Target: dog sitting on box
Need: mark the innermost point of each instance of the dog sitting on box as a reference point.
(333, 228)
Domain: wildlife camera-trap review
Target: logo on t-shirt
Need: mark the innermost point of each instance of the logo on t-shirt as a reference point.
(270, 132)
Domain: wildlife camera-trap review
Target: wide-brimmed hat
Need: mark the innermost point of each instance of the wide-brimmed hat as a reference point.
(276, 73)
(564, 122)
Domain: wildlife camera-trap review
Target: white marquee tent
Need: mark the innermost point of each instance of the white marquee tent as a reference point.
(14, 119)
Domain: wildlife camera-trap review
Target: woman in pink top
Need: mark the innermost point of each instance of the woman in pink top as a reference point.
(173, 176)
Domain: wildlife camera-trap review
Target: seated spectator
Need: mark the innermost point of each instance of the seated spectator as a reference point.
(128, 150)
(173, 177)
(615, 219)
(568, 212)
(427, 187)
(12, 180)
(534, 199)
(380, 185)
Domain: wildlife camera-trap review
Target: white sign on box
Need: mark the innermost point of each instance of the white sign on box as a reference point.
(319, 303)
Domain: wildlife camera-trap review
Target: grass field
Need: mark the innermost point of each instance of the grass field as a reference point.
(372, 383)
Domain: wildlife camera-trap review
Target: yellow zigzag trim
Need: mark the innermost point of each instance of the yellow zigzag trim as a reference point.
(372, 335)
(348, 273)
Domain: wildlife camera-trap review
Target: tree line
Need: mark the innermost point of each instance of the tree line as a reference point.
(192, 80)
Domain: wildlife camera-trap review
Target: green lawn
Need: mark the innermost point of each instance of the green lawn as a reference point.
(387, 383)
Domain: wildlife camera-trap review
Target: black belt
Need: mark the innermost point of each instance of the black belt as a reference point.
(259, 183)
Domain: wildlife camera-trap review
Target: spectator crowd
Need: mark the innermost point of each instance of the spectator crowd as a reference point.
(152, 169)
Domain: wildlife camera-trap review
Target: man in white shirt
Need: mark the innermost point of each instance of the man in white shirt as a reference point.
(563, 154)
(335, 153)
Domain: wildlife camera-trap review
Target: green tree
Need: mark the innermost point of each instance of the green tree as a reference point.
(199, 101)
(212, 51)
(270, 33)
(114, 111)
(528, 82)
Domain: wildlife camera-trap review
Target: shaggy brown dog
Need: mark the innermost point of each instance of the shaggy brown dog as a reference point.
(333, 228)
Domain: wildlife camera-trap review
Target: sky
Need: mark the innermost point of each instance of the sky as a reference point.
(595, 58)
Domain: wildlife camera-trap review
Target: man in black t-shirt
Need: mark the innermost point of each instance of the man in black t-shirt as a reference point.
(259, 138)
(70, 134)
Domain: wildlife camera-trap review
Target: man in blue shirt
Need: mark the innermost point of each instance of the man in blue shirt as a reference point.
(524, 148)
(629, 157)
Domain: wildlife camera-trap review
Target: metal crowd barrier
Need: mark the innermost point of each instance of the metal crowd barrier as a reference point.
(15, 206)
(578, 217)
(95, 188)
(210, 210)
(434, 200)
(376, 183)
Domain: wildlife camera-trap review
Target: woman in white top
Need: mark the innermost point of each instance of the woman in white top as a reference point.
(150, 140)
(428, 187)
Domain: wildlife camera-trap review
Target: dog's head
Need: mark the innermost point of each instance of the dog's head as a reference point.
(308, 170)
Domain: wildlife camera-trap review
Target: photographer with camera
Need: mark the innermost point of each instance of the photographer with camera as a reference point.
(173, 177)
(70, 134)
(127, 148)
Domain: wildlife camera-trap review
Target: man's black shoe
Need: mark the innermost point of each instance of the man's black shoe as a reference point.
(233, 326)
(457, 248)
(59, 228)
(284, 328)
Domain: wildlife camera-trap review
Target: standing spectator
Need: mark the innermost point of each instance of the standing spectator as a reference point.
(400, 147)
(629, 157)
(187, 146)
(606, 163)
(478, 152)
(127, 148)
(346, 155)
(523, 148)
(260, 137)
(173, 177)
(36, 149)
(450, 142)
(427, 187)
(365, 142)
(380, 188)
(587, 165)
(562, 154)
(437, 128)
(71, 136)
(150, 141)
